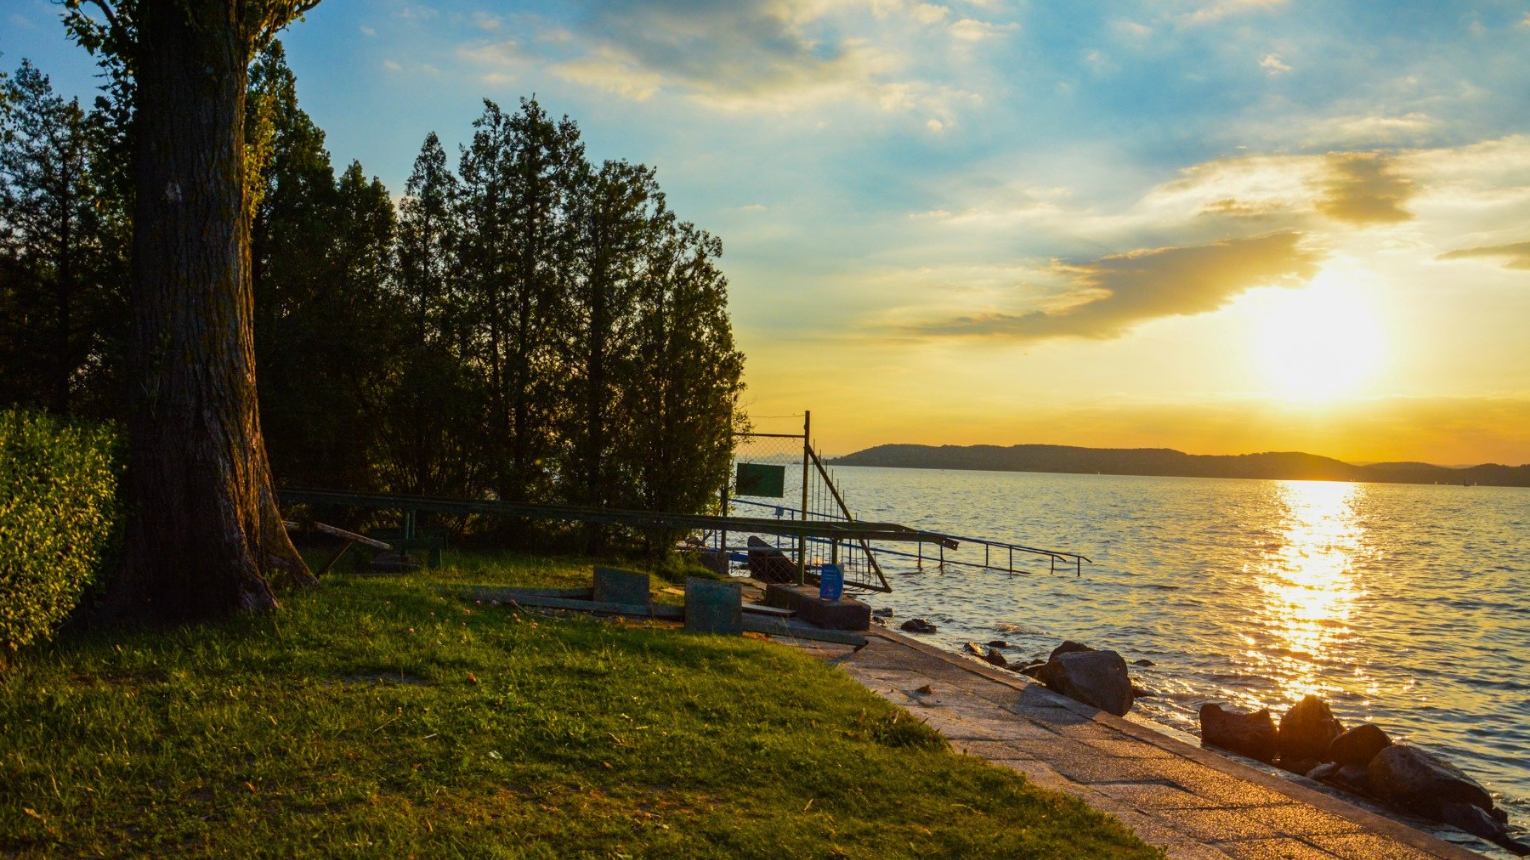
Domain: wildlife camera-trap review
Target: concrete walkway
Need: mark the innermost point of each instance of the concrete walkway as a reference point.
(1194, 803)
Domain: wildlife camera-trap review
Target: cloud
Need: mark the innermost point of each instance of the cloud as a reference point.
(392, 66)
(785, 56)
(1273, 64)
(1115, 293)
(1363, 189)
(1517, 255)
(1223, 8)
(368, 31)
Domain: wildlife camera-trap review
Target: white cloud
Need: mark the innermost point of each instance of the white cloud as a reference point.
(935, 125)
(929, 13)
(392, 66)
(368, 31)
(1273, 64)
(486, 21)
(972, 30)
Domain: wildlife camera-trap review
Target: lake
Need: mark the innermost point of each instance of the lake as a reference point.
(1407, 606)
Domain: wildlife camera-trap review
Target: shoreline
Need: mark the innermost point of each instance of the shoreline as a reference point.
(1196, 803)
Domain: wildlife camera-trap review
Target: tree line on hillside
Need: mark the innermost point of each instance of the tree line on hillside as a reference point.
(530, 326)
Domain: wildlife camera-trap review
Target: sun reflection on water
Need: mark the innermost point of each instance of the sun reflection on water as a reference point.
(1309, 584)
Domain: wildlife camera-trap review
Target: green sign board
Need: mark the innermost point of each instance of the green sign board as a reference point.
(754, 479)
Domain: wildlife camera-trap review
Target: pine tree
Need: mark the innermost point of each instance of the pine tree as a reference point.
(58, 303)
(519, 175)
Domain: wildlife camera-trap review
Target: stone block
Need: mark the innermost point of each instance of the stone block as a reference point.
(621, 586)
(714, 607)
(847, 613)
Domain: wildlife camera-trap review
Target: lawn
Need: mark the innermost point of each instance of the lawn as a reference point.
(377, 718)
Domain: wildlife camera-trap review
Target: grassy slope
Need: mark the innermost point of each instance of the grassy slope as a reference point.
(375, 718)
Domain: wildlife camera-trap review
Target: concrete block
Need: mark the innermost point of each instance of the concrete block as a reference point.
(714, 607)
(846, 613)
(620, 586)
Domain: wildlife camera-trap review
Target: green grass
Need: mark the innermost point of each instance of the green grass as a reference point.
(376, 718)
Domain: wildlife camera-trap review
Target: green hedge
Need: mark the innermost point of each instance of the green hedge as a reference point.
(58, 519)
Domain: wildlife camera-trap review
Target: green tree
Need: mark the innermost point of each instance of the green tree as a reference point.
(683, 400)
(203, 534)
(59, 302)
(433, 416)
(518, 176)
(618, 215)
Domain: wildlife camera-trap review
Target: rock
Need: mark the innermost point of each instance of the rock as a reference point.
(1142, 693)
(998, 643)
(976, 649)
(1358, 745)
(1143, 662)
(1354, 777)
(1413, 779)
(1473, 820)
(1306, 731)
(884, 612)
(1324, 772)
(1301, 766)
(1096, 678)
(993, 656)
(1033, 670)
(925, 690)
(918, 625)
(1068, 647)
(1252, 734)
(879, 620)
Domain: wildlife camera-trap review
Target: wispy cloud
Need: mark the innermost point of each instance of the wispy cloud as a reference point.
(1112, 294)
(1273, 64)
(1515, 255)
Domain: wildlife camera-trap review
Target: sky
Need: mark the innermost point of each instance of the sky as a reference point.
(1222, 226)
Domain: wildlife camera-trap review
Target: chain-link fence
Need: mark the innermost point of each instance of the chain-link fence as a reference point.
(779, 476)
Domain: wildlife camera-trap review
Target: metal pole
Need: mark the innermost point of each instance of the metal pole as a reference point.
(722, 535)
(807, 454)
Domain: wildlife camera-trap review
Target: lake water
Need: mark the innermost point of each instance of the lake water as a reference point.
(1406, 606)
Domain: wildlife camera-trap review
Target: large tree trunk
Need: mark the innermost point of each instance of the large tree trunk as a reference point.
(204, 537)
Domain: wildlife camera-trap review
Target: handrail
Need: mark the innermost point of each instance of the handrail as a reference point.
(1054, 556)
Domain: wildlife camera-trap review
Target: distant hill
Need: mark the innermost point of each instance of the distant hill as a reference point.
(1166, 462)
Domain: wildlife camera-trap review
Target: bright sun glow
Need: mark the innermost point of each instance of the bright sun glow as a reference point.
(1318, 343)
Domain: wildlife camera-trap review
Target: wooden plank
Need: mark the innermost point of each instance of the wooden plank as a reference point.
(772, 611)
(352, 536)
(780, 627)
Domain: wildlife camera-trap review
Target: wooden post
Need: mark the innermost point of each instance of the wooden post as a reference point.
(807, 455)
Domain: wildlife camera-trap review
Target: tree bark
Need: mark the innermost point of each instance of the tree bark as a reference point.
(204, 536)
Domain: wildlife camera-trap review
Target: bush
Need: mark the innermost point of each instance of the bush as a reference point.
(58, 519)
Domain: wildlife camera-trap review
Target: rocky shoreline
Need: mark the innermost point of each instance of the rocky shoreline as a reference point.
(1308, 740)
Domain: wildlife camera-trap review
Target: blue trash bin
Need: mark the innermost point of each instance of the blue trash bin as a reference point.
(831, 582)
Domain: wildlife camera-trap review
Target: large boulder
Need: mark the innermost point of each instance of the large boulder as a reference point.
(1306, 731)
(1473, 820)
(1252, 734)
(918, 625)
(1358, 745)
(1068, 647)
(1096, 678)
(1413, 779)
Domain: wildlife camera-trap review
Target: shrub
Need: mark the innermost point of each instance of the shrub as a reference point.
(58, 518)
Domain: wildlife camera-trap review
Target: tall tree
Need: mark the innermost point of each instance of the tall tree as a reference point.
(519, 175)
(683, 399)
(203, 535)
(618, 216)
(57, 305)
(432, 418)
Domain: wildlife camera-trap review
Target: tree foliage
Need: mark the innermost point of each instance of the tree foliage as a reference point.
(530, 326)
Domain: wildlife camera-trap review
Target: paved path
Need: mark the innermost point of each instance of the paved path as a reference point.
(1194, 803)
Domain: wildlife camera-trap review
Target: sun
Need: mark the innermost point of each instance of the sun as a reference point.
(1318, 343)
